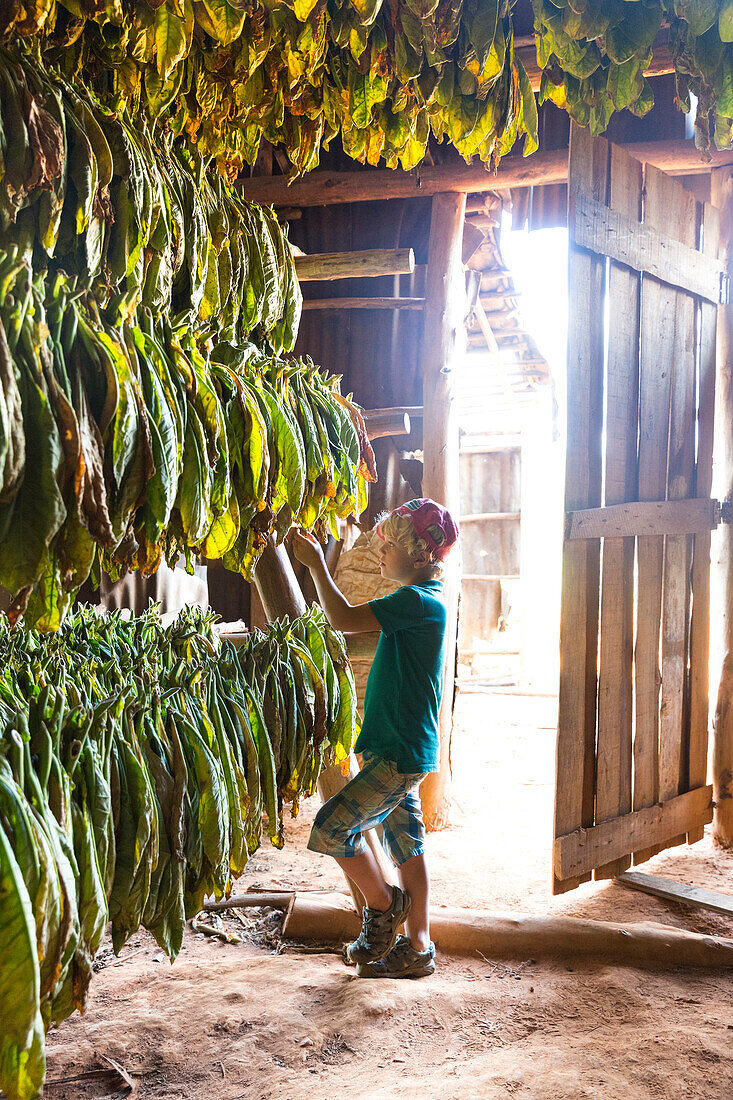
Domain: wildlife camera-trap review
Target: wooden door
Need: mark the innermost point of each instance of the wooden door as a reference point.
(633, 710)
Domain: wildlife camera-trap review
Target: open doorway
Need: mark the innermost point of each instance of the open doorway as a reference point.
(510, 389)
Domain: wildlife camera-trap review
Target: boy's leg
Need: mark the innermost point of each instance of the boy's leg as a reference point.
(366, 873)
(337, 831)
(404, 835)
(415, 881)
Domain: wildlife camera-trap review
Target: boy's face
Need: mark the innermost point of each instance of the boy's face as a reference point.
(395, 563)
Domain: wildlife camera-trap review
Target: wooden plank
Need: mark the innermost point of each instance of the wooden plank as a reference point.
(700, 631)
(482, 517)
(365, 185)
(722, 754)
(326, 266)
(362, 303)
(615, 702)
(442, 345)
(678, 891)
(575, 757)
(657, 358)
(659, 517)
(579, 851)
(674, 709)
(643, 248)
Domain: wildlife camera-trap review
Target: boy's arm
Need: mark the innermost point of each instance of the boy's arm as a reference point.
(342, 615)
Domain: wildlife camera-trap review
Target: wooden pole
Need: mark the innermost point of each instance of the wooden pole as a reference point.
(281, 594)
(354, 265)
(389, 422)
(521, 935)
(443, 341)
(722, 197)
(329, 188)
(362, 303)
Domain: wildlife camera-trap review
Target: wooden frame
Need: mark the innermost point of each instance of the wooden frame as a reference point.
(632, 725)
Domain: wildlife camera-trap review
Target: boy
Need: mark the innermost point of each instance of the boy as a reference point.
(399, 736)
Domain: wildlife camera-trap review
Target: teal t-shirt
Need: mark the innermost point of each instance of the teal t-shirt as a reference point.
(405, 684)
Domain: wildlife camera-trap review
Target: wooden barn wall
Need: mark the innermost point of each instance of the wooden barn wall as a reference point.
(376, 351)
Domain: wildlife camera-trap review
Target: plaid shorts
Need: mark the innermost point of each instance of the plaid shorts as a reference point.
(379, 796)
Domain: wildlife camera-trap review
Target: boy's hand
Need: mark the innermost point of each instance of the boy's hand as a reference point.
(307, 548)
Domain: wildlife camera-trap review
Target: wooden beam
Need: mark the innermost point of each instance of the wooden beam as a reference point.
(443, 342)
(665, 517)
(326, 266)
(580, 851)
(370, 185)
(481, 517)
(474, 932)
(722, 197)
(415, 412)
(363, 303)
(486, 329)
(677, 891)
(643, 248)
(389, 422)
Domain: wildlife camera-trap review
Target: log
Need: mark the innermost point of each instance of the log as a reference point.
(278, 899)
(354, 265)
(516, 935)
(443, 341)
(678, 158)
(280, 593)
(362, 303)
(722, 197)
(389, 422)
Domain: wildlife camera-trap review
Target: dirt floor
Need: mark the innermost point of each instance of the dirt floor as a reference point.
(240, 1022)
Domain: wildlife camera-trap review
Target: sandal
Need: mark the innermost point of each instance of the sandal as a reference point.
(379, 930)
(403, 961)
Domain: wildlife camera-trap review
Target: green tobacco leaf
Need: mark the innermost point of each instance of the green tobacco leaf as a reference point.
(482, 30)
(634, 35)
(626, 82)
(38, 509)
(367, 10)
(172, 41)
(22, 1060)
(725, 21)
(700, 14)
(365, 93)
(225, 20)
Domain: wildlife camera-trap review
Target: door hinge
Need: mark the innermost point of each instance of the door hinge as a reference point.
(724, 510)
(724, 288)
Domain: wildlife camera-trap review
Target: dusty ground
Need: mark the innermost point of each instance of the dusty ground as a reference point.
(237, 1021)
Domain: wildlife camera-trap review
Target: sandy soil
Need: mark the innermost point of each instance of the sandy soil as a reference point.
(238, 1022)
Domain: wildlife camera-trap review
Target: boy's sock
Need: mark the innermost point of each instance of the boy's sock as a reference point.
(379, 930)
(403, 961)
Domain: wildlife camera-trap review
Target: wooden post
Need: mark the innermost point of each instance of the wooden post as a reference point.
(280, 593)
(722, 197)
(443, 341)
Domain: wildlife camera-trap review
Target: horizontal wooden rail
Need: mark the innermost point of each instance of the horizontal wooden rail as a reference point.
(363, 303)
(638, 246)
(490, 576)
(389, 422)
(325, 266)
(582, 850)
(657, 517)
(413, 411)
(330, 188)
(481, 517)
